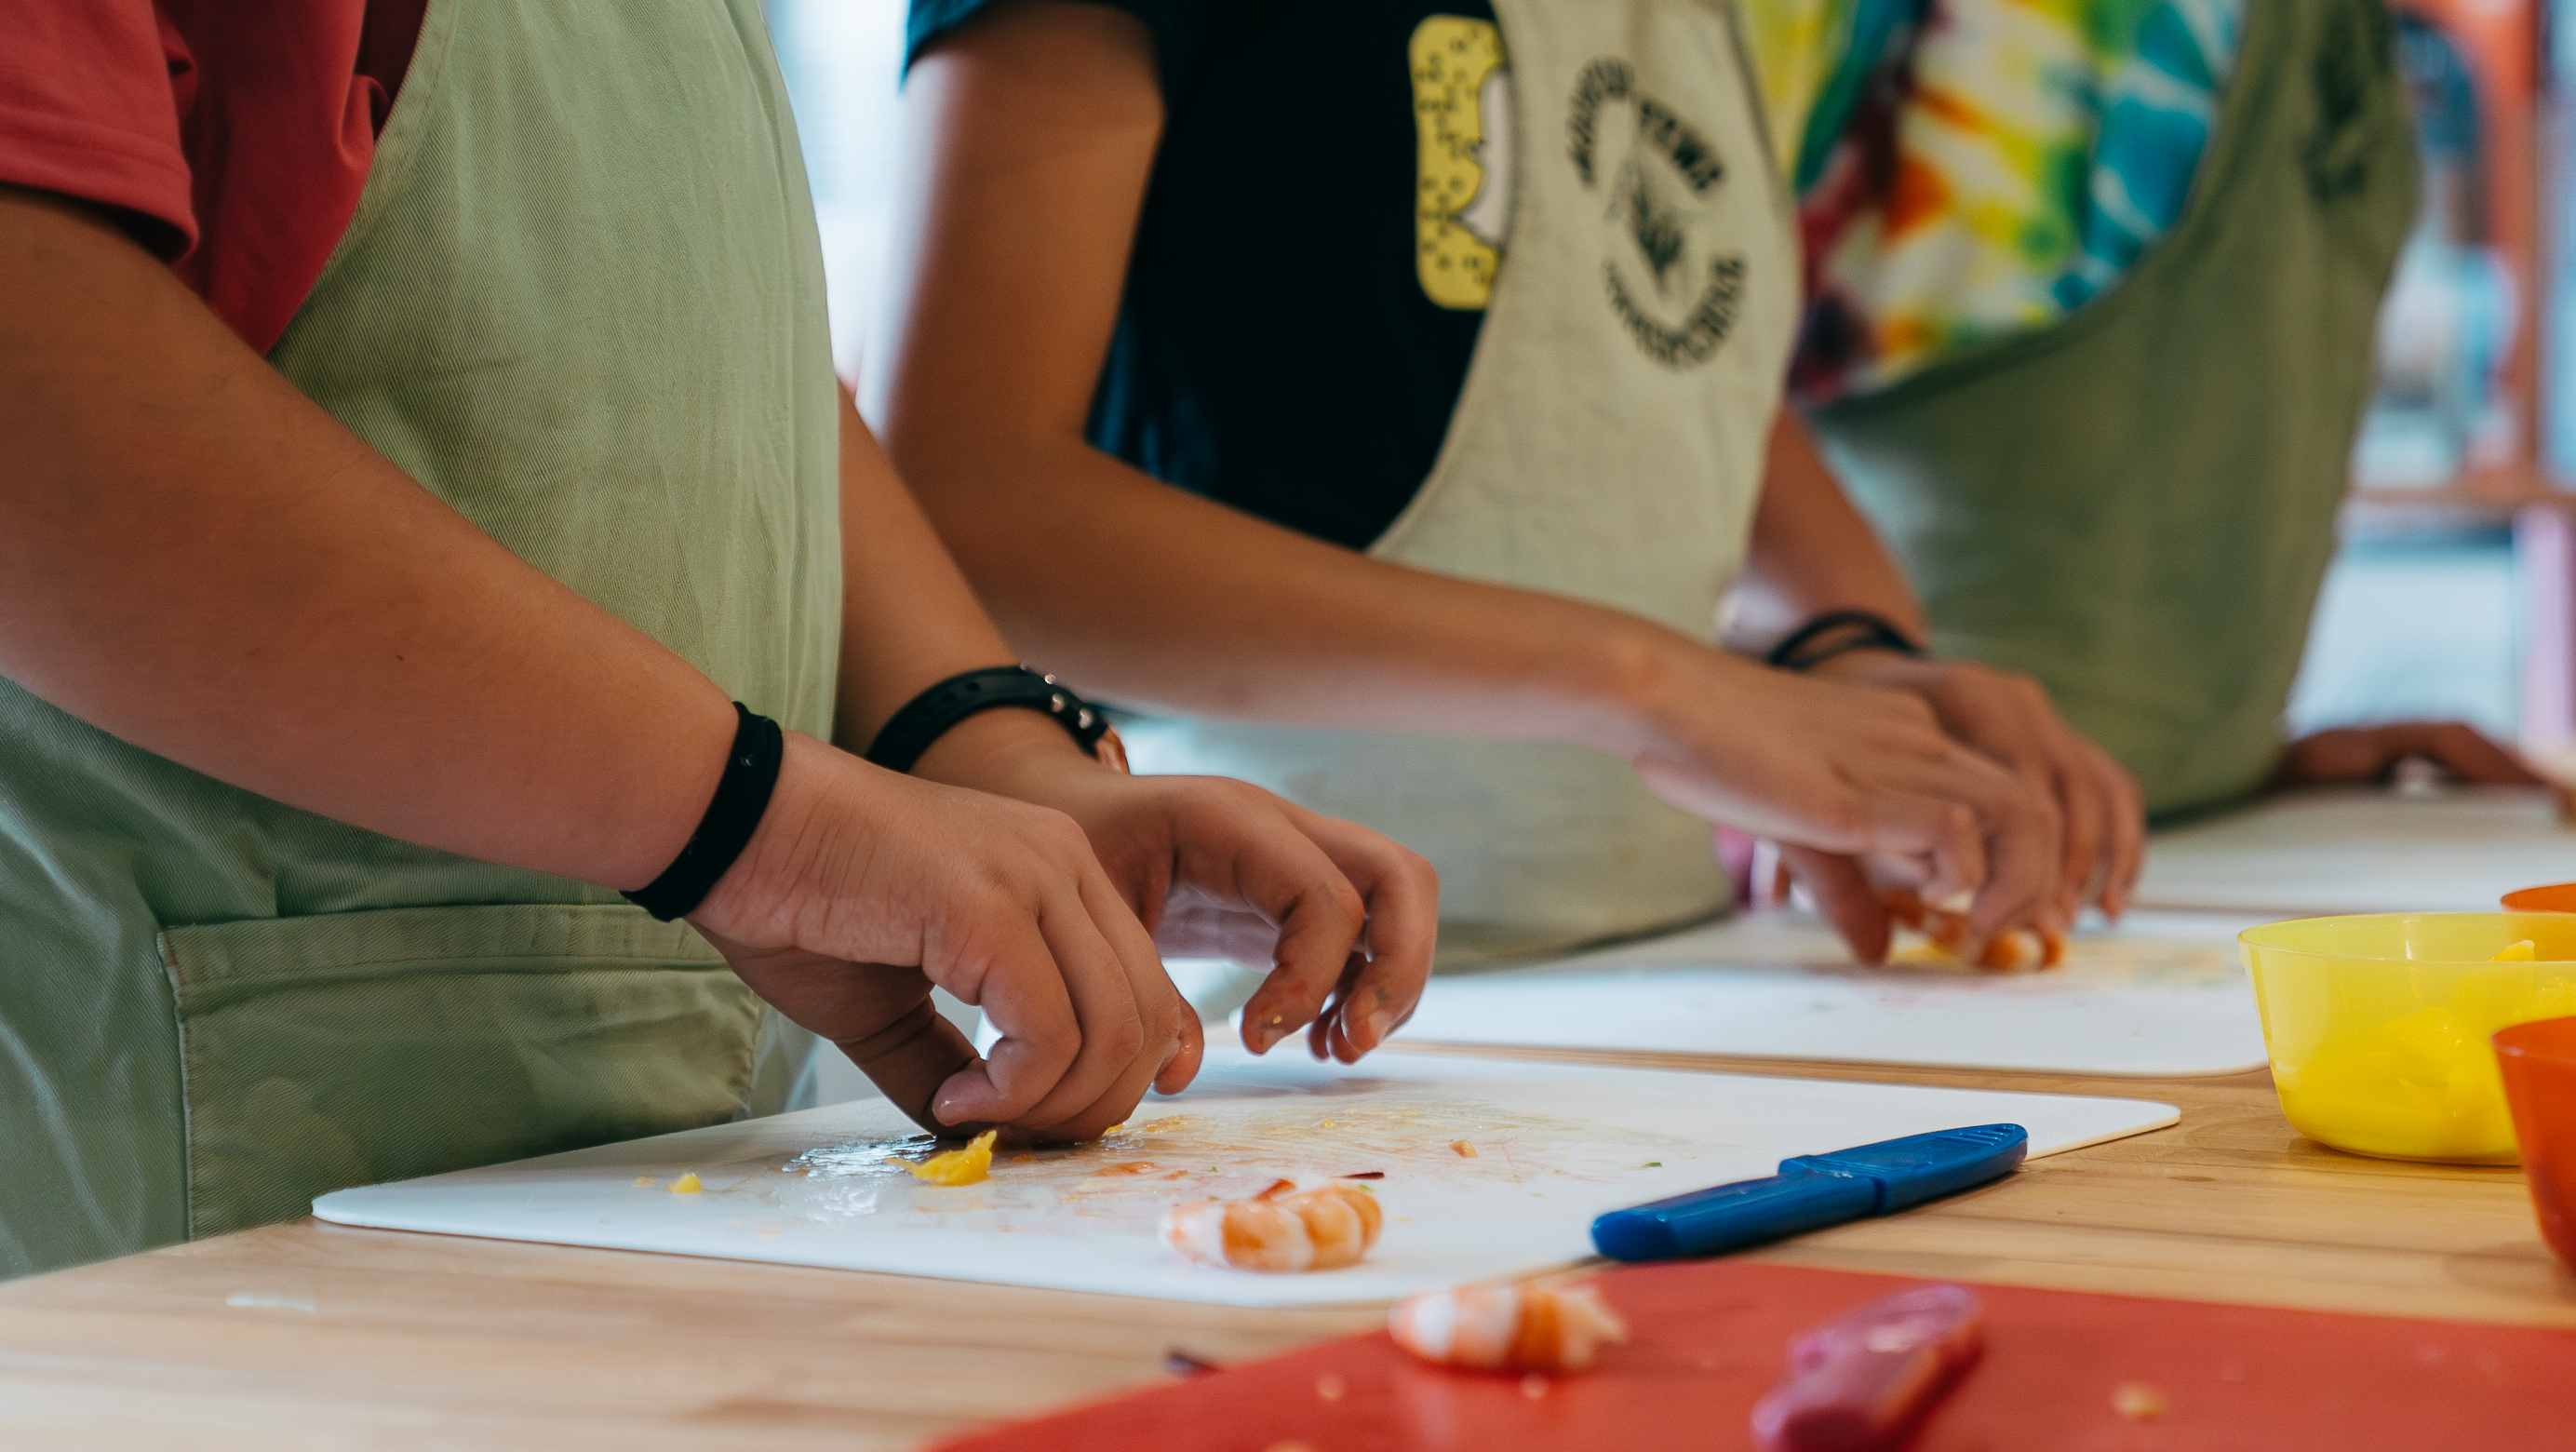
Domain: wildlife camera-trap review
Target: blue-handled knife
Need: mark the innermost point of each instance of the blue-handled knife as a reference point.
(1812, 1192)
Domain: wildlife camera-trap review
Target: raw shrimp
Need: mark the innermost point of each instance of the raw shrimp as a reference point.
(1507, 1328)
(1280, 1229)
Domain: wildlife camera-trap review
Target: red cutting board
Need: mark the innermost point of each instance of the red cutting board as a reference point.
(1708, 1339)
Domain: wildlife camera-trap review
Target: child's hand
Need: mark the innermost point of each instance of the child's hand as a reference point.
(1222, 869)
(862, 888)
(2009, 718)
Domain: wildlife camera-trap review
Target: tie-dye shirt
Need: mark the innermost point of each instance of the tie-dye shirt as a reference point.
(1968, 170)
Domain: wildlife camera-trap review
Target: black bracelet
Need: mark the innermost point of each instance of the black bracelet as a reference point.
(1875, 633)
(742, 794)
(930, 715)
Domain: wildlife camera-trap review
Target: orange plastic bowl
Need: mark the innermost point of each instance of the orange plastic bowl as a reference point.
(2557, 897)
(2538, 1061)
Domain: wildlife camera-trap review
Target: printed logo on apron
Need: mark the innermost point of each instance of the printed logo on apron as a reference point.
(1670, 284)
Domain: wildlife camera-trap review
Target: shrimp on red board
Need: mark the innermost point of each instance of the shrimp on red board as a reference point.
(1507, 1328)
(1281, 1229)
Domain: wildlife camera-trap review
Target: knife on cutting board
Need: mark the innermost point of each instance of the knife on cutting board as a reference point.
(1812, 1192)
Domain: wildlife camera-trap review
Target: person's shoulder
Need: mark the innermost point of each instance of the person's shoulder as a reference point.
(1175, 25)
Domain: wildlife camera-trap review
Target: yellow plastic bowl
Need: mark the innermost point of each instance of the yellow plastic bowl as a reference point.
(2378, 1025)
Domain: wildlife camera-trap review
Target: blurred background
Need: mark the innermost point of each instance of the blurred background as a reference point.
(2453, 594)
(2428, 612)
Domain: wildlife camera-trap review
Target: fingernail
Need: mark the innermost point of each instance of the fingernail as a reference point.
(1380, 1024)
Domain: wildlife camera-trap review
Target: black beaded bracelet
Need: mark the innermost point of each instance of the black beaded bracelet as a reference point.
(742, 794)
(1874, 632)
(928, 716)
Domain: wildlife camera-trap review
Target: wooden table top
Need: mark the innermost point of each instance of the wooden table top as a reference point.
(318, 1336)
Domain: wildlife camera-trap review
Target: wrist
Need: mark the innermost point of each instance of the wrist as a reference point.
(1874, 667)
(1648, 684)
(1831, 634)
(1004, 752)
(751, 901)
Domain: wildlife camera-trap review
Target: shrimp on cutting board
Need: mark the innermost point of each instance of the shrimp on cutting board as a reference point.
(2014, 950)
(1282, 1229)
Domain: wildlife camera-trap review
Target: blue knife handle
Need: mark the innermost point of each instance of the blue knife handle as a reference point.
(1705, 1222)
(1812, 1192)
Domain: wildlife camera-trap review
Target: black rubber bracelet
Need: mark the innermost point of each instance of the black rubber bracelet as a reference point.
(742, 794)
(930, 715)
(1875, 633)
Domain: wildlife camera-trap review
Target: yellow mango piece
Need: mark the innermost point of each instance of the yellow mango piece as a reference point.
(686, 1185)
(965, 1166)
(2525, 951)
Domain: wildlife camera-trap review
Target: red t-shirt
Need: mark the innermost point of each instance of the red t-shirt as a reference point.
(230, 136)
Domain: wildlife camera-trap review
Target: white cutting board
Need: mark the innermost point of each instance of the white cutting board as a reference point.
(2163, 996)
(2362, 850)
(1555, 1145)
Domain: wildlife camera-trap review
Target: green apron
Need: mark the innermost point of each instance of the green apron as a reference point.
(581, 301)
(2137, 505)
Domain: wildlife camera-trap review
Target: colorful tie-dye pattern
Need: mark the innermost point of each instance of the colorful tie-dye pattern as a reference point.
(1972, 169)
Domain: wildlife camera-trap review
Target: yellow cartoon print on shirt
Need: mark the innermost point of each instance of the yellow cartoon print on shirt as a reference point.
(1462, 118)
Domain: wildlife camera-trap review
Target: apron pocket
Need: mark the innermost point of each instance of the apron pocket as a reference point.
(354, 1048)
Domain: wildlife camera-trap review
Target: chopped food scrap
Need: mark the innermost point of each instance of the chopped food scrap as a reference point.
(647, 1181)
(686, 1185)
(1464, 1149)
(2140, 1402)
(1308, 1230)
(967, 1166)
(1324, 1124)
(1862, 1382)
(1330, 1387)
(1507, 1328)
(1022, 1159)
(1364, 1175)
(1129, 1167)
(1652, 1165)
(2525, 951)
(1113, 1129)
(2014, 950)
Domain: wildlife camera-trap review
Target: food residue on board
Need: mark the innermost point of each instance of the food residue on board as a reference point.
(647, 1181)
(1282, 1229)
(2014, 950)
(967, 1166)
(1203, 1158)
(1507, 1328)
(687, 1184)
(1465, 1150)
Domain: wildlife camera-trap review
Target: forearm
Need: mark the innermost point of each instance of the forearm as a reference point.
(1156, 598)
(196, 559)
(1810, 552)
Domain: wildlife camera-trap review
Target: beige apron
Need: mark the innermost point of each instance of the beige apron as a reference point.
(1607, 445)
(581, 301)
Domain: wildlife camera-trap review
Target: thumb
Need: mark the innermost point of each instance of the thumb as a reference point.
(1844, 899)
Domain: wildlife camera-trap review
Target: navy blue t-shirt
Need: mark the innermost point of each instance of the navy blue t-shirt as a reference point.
(1277, 346)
